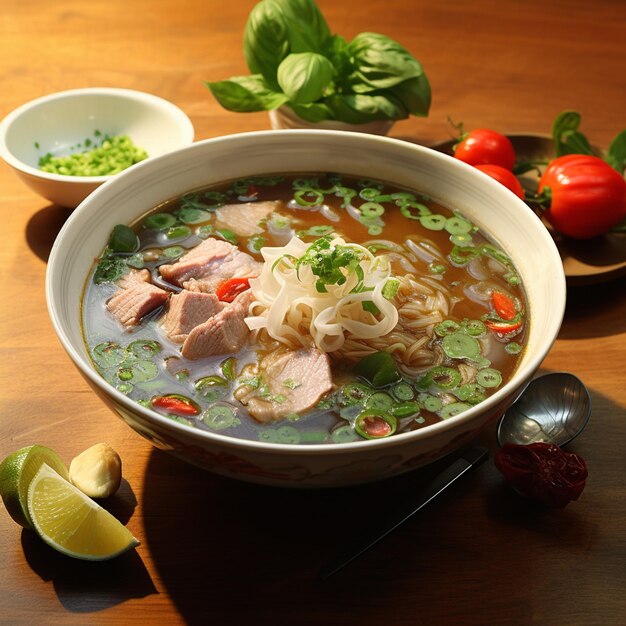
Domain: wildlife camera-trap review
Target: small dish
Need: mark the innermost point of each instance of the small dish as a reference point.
(58, 122)
(587, 261)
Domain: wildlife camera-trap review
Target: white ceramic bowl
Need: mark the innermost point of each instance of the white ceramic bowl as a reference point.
(59, 121)
(507, 219)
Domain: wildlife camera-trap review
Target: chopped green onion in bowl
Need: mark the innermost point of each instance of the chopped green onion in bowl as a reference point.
(112, 155)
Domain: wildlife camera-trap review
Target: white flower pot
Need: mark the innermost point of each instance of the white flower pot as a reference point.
(285, 118)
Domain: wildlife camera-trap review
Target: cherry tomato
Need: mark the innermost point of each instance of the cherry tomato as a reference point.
(504, 177)
(587, 196)
(230, 289)
(483, 146)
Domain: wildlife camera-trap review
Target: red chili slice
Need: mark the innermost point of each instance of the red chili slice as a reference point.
(504, 328)
(543, 471)
(504, 305)
(230, 289)
(175, 405)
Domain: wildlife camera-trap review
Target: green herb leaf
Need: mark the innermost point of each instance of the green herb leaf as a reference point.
(304, 76)
(361, 108)
(109, 269)
(244, 94)
(574, 142)
(616, 156)
(266, 41)
(307, 29)
(414, 94)
(382, 62)
(567, 138)
(378, 368)
(123, 239)
(313, 112)
(327, 262)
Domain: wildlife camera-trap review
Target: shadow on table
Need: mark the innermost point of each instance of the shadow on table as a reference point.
(227, 550)
(605, 302)
(43, 227)
(89, 587)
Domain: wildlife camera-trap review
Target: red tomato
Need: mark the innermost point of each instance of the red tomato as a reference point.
(230, 289)
(587, 196)
(483, 146)
(504, 177)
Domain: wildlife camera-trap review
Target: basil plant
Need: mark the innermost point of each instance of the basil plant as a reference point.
(295, 61)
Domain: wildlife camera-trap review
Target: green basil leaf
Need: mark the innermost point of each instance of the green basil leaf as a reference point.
(382, 62)
(337, 52)
(265, 40)
(565, 133)
(303, 76)
(574, 142)
(414, 94)
(306, 27)
(361, 108)
(616, 156)
(244, 94)
(123, 239)
(314, 112)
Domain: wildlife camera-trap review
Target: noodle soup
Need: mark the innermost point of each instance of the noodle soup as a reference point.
(304, 309)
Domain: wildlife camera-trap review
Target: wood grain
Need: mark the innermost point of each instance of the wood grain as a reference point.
(218, 551)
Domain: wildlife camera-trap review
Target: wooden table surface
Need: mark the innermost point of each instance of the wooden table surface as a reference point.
(223, 552)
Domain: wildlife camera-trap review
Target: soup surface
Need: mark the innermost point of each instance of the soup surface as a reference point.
(304, 309)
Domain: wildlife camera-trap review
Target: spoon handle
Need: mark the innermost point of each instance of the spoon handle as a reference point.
(468, 459)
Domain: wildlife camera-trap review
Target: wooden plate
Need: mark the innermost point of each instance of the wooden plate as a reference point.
(585, 261)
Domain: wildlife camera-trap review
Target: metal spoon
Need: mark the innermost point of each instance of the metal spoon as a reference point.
(553, 408)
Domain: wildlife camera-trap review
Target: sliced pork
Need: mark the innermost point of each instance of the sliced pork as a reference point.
(132, 277)
(224, 333)
(290, 381)
(244, 219)
(187, 310)
(135, 299)
(199, 261)
(239, 265)
(209, 264)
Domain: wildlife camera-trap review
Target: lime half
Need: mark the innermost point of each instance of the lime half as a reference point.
(16, 472)
(71, 522)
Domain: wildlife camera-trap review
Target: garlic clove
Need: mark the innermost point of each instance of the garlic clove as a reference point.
(97, 471)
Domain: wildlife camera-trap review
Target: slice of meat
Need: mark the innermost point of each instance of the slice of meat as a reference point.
(129, 305)
(132, 277)
(239, 265)
(199, 261)
(291, 381)
(243, 219)
(209, 264)
(186, 310)
(223, 333)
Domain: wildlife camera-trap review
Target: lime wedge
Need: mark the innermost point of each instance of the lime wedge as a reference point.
(71, 522)
(16, 472)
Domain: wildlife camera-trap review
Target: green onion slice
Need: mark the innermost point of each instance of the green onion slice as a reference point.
(373, 424)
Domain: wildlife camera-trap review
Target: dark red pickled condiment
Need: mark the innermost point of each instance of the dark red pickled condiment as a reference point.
(543, 471)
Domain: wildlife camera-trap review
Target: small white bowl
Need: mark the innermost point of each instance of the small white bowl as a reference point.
(57, 122)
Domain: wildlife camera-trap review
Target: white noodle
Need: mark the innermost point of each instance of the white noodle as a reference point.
(291, 310)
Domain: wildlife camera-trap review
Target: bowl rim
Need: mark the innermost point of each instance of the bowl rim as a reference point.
(522, 373)
(173, 111)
